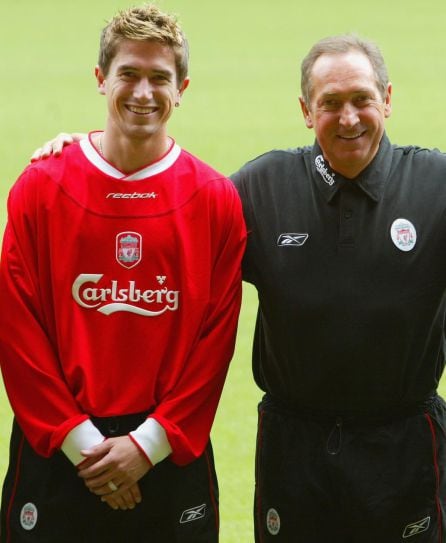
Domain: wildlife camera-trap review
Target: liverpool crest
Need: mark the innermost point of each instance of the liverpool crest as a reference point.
(28, 516)
(128, 249)
(403, 234)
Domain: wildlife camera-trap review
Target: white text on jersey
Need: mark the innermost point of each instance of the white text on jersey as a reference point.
(115, 298)
(132, 195)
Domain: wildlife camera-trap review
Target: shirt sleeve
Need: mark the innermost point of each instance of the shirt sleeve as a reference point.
(187, 412)
(240, 180)
(82, 436)
(40, 398)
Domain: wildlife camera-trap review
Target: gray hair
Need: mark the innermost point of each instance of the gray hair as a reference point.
(343, 44)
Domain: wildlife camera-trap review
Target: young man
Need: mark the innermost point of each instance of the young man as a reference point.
(119, 295)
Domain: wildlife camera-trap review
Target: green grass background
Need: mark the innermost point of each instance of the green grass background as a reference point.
(243, 100)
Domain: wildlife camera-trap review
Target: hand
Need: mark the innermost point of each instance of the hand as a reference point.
(115, 462)
(56, 145)
(128, 500)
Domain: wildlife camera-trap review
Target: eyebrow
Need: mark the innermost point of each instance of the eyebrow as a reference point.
(124, 67)
(358, 91)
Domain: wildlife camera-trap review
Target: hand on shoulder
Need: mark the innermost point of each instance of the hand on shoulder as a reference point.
(56, 145)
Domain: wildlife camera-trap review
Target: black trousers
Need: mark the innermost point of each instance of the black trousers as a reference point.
(351, 480)
(45, 501)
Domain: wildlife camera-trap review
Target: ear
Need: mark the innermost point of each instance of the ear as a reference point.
(306, 113)
(388, 101)
(182, 88)
(100, 78)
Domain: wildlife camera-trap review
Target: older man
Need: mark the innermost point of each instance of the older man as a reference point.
(347, 251)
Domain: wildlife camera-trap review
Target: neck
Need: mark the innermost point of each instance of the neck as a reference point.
(129, 155)
(350, 171)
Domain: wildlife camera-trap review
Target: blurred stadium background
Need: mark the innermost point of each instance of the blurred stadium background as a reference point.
(243, 100)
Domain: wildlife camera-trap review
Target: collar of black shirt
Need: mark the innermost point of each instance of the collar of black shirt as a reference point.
(371, 180)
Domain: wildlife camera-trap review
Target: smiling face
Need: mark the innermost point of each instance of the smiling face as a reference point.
(142, 90)
(346, 110)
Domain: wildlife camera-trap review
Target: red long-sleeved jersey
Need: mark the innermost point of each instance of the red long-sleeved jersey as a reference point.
(119, 294)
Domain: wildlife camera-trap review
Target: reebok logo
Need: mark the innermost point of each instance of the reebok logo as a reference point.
(291, 239)
(417, 528)
(194, 513)
(132, 195)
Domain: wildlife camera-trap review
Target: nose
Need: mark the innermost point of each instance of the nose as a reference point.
(143, 90)
(349, 115)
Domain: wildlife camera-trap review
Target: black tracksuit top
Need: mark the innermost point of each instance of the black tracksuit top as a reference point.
(351, 277)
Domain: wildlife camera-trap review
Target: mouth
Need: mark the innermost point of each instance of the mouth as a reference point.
(351, 137)
(140, 110)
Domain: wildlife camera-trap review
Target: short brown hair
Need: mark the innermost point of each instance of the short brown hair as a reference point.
(144, 23)
(343, 44)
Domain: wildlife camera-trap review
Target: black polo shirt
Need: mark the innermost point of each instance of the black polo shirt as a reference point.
(351, 277)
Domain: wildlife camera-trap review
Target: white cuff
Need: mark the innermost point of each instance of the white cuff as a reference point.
(152, 439)
(82, 436)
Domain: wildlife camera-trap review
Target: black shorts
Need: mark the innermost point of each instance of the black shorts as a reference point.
(45, 501)
(350, 480)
